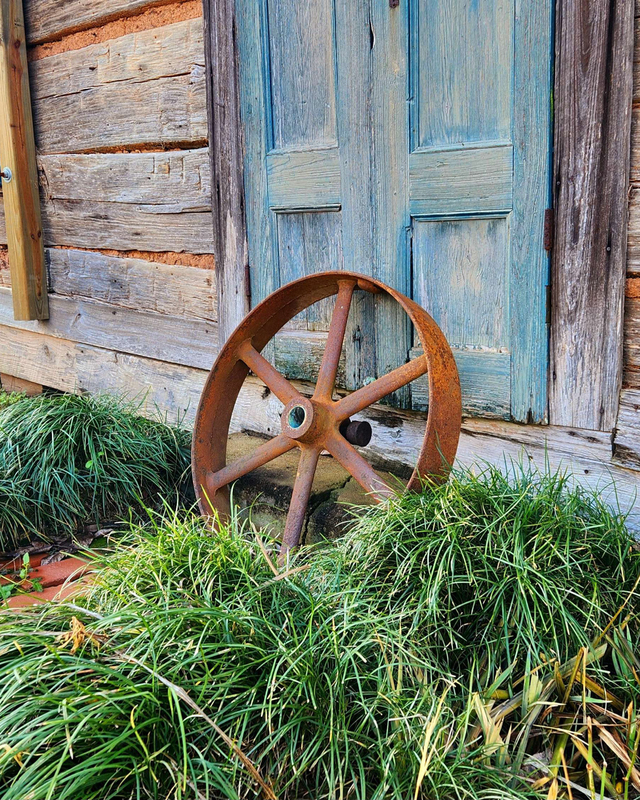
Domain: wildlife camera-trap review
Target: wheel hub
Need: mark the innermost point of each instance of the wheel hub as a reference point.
(300, 420)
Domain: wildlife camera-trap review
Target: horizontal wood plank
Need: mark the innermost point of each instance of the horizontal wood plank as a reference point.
(633, 231)
(460, 181)
(627, 437)
(398, 435)
(51, 19)
(19, 385)
(485, 380)
(141, 88)
(165, 112)
(185, 340)
(304, 180)
(127, 201)
(38, 358)
(179, 340)
(164, 52)
(165, 182)
(632, 341)
(134, 283)
(298, 354)
(120, 226)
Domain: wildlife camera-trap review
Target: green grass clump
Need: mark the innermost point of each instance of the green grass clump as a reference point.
(8, 398)
(66, 460)
(381, 667)
(488, 563)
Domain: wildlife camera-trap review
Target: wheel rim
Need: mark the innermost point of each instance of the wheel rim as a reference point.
(313, 424)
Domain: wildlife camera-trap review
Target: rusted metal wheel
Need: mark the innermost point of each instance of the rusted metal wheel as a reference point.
(319, 423)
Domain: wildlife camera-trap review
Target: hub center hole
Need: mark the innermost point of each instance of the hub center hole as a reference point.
(297, 416)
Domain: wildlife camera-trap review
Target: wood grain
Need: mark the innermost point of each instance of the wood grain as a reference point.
(122, 226)
(304, 179)
(460, 42)
(19, 385)
(390, 187)
(485, 380)
(632, 342)
(301, 53)
(461, 181)
(532, 148)
(357, 172)
(51, 19)
(627, 437)
(20, 195)
(592, 134)
(147, 201)
(128, 201)
(144, 87)
(226, 152)
(170, 182)
(134, 283)
(633, 230)
(179, 340)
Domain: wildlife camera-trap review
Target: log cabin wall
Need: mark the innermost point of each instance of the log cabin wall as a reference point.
(120, 114)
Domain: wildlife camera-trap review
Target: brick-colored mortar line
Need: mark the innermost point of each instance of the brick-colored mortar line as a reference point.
(146, 147)
(154, 17)
(632, 288)
(198, 260)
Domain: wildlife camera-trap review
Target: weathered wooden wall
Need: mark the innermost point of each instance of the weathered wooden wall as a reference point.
(120, 113)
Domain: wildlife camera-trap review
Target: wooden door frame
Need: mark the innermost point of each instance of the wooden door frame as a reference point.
(592, 123)
(226, 153)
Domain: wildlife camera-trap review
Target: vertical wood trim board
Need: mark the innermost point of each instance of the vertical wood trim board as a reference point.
(18, 153)
(529, 273)
(226, 151)
(593, 96)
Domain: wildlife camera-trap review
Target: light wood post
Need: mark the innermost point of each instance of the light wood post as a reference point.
(18, 154)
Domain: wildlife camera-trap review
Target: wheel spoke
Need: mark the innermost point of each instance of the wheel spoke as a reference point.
(258, 364)
(299, 499)
(356, 465)
(260, 456)
(331, 357)
(374, 392)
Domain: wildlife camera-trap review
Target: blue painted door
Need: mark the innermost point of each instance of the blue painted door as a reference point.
(411, 143)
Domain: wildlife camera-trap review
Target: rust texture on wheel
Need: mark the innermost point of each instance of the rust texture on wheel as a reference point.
(320, 422)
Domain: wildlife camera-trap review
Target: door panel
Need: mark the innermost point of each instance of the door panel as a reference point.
(462, 70)
(304, 179)
(461, 276)
(310, 243)
(412, 144)
(302, 76)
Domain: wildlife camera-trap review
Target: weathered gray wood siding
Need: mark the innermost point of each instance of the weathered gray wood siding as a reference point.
(120, 111)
